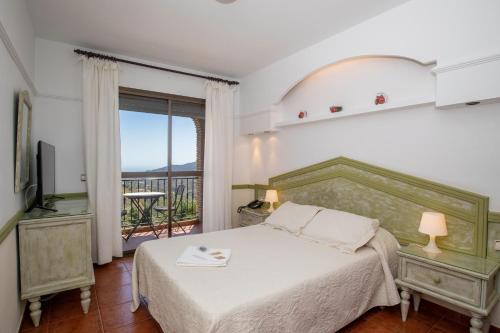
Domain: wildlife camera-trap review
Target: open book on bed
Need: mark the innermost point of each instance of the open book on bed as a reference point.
(204, 257)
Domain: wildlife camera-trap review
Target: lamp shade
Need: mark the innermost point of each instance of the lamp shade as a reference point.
(433, 224)
(271, 196)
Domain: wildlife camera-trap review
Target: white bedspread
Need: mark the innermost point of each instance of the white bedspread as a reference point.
(274, 282)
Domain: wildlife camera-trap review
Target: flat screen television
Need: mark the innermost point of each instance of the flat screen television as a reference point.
(45, 174)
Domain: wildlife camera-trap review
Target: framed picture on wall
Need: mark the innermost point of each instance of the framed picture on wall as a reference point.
(23, 142)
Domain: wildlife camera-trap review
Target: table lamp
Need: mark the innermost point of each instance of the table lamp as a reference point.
(271, 197)
(433, 224)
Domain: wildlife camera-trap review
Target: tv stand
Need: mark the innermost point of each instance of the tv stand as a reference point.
(70, 226)
(42, 207)
(50, 200)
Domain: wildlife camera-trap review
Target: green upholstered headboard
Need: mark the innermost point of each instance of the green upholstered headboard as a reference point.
(396, 199)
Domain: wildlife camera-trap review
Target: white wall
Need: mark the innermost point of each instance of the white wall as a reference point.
(424, 30)
(354, 84)
(58, 118)
(16, 20)
(17, 32)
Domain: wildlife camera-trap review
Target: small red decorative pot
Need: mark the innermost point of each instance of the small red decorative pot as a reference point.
(335, 108)
(302, 114)
(380, 99)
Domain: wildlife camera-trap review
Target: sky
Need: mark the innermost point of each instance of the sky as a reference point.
(144, 143)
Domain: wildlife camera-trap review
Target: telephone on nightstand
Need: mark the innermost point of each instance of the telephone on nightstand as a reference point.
(253, 205)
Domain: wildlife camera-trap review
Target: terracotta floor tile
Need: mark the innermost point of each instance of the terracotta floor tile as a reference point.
(32, 329)
(368, 326)
(127, 261)
(39, 329)
(72, 295)
(458, 318)
(450, 327)
(101, 271)
(147, 326)
(87, 324)
(352, 326)
(120, 315)
(128, 265)
(71, 309)
(112, 296)
(391, 320)
(113, 279)
(437, 330)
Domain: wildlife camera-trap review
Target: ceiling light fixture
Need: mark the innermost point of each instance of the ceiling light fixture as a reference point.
(226, 2)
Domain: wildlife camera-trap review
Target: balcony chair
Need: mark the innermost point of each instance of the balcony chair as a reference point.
(176, 205)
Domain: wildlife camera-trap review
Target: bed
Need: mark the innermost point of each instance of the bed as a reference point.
(278, 282)
(274, 282)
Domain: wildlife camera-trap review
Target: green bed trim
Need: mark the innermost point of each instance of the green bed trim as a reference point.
(382, 171)
(494, 217)
(250, 187)
(243, 187)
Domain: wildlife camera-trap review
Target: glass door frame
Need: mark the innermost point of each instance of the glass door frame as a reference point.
(169, 98)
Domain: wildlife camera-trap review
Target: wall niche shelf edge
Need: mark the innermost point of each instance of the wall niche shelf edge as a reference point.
(357, 111)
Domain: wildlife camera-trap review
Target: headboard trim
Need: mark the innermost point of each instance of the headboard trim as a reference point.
(473, 208)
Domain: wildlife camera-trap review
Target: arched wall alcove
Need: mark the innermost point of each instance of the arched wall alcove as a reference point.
(354, 82)
(360, 58)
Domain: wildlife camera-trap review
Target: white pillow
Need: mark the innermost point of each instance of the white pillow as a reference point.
(292, 217)
(342, 230)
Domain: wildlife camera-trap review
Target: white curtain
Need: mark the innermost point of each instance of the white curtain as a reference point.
(102, 155)
(218, 162)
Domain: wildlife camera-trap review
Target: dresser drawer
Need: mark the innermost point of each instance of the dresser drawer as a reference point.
(448, 283)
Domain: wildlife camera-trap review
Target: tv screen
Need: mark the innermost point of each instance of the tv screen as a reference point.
(46, 168)
(45, 174)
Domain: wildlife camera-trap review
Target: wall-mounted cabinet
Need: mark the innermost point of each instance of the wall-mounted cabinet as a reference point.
(470, 80)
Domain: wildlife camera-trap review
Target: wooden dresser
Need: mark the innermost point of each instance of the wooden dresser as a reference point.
(55, 253)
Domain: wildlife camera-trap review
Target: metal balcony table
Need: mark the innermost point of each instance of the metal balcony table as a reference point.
(145, 210)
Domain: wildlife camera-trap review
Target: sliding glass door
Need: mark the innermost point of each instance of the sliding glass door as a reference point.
(162, 140)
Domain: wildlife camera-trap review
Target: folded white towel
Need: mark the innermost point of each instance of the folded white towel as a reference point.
(193, 256)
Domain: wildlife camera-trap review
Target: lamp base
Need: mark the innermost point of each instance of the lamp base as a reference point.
(432, 247)
(271, 208)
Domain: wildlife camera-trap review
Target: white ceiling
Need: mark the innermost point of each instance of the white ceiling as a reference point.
(233, 39)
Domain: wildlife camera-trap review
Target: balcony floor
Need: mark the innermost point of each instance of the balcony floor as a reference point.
(139, 237)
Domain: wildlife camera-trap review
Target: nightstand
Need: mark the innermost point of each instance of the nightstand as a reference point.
(465, 281)
(249, 216)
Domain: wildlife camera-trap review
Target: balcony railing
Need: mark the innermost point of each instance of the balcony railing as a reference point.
(190, 207)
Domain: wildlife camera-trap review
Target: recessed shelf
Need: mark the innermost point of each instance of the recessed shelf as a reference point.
(351, 112)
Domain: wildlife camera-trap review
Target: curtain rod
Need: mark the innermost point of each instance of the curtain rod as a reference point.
(107, 57)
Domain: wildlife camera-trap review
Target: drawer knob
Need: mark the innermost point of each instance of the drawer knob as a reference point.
(436, 280)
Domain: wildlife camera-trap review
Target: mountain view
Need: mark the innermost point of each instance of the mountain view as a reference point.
(191, 166)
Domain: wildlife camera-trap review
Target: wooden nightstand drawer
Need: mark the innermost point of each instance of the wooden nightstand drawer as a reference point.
(468, 282)
(448, 283)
